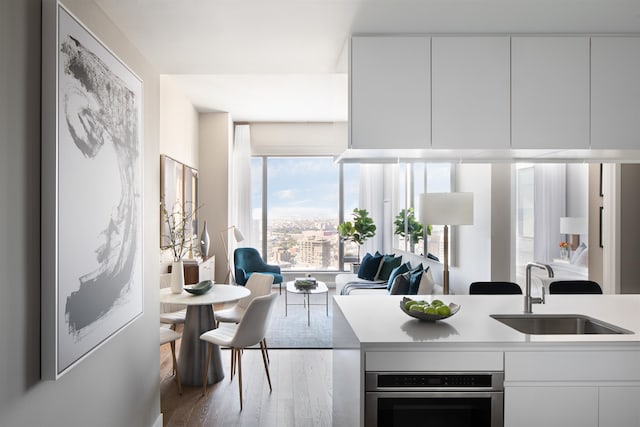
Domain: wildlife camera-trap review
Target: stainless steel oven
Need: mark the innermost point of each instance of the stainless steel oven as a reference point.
(452, 399)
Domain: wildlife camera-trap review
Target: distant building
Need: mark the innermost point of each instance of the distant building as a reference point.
(315, 252)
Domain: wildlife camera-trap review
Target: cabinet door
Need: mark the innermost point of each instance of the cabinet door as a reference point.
(390, 105)
(550, 92)
(619, 406)
(470, 92)
(615, 92)
(207, 269)
(551, 406)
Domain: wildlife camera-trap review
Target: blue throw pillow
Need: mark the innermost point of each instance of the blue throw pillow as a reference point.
(416, 269)
(389, 262)
(414, 282)
(369, 266)
(396, 271)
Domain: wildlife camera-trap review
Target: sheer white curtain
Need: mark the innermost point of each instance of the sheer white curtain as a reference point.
(376, 187)
(240, 188)
(549, 204)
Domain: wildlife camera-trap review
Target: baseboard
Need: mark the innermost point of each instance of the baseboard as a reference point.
(159, 421)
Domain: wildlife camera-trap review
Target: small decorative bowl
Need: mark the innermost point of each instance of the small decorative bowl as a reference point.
(199, 288)
(425, 316)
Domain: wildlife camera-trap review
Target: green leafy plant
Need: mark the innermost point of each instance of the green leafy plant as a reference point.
(358, 231)
(414, 231)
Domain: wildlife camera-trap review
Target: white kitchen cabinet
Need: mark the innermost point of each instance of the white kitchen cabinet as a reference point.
(390, 104)
(619, 406)
(551, 406)
(550, 92)
(470, 92)
(572, 388)
(615, 92)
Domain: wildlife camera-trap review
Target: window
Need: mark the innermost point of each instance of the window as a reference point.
(297, 206)
(351, 193)
(414, 179)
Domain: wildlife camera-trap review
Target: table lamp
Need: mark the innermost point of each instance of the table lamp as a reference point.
(446, 209)
(237, 235)
(574, 227)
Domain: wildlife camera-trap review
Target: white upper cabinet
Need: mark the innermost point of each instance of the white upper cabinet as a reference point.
(615, 92)
(470, 92)
(390, 98)
(550, 92)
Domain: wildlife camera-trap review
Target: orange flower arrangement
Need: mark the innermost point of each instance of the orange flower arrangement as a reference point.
(564, 244)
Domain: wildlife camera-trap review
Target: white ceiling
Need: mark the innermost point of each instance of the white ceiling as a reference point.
(286, 60)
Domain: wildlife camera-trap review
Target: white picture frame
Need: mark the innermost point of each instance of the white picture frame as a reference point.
(91, 254)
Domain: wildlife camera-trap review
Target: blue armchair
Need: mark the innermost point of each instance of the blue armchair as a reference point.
(248, 261)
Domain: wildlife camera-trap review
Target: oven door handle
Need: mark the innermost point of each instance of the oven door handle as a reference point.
(432, 394)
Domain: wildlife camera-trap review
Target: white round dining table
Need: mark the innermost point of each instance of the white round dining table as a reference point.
(200, 318)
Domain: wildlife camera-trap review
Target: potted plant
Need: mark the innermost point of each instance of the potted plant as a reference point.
(409, 228)
(358, 231)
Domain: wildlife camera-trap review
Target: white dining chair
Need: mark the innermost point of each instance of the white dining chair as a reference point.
(250, 331)
(169, 336)
(259, 284)
(169, 315)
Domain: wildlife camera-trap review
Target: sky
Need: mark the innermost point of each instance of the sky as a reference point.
(304, 188)
(308, 187)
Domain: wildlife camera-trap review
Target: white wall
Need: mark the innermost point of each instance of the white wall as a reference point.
(326, 139)
(473, 243)
(118, 385)
(179, 135)
(178, 124)
(216, 138)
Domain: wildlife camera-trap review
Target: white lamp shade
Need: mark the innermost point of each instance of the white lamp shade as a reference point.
(446, 208)
(237, 235)
(573, 225)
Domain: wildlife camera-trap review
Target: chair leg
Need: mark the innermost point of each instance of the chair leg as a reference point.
(266, 349)
(175, 366)
(233, 363)
(206, 368)
(238, 352)
(266, 364)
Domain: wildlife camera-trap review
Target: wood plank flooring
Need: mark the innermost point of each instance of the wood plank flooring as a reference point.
(302, 387)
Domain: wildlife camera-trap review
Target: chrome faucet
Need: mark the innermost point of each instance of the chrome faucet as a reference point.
(528, 299)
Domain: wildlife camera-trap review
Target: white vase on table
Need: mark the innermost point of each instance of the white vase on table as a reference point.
(177, 277)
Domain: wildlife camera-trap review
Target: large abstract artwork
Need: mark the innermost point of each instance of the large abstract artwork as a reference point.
(98, 240)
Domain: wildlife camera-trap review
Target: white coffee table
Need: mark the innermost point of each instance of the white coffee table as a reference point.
(320, 289)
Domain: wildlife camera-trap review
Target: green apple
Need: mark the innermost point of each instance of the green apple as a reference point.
(443, 310)
(436, 303)
(409, 304)
(431, 310)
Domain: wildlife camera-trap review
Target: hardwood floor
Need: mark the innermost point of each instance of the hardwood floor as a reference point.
(301, 379)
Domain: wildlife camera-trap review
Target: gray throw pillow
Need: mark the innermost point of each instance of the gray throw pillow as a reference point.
(401, 284)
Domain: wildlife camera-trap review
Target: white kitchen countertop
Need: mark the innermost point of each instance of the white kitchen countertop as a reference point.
(378, 321)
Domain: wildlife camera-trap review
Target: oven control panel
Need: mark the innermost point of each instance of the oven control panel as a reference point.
(439, 380)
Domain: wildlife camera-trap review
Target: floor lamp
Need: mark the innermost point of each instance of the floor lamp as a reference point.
(446, 209)
(237, 235)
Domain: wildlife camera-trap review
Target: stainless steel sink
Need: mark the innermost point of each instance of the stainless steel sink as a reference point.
(558, 324)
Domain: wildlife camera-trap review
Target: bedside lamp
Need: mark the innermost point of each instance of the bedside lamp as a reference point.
(574, 227)
(446, 209)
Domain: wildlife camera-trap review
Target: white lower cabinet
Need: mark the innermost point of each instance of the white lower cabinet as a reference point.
(572, 388)
(551, 406)
(619, 406)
